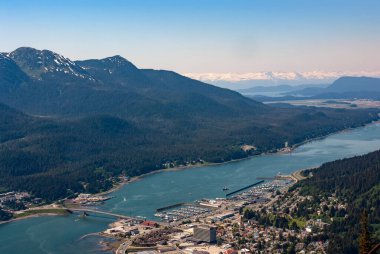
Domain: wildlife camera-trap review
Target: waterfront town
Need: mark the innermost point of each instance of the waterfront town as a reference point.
(259, 218)
(267, 217)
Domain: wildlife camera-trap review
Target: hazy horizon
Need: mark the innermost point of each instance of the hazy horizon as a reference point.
(290, 41)
(203, 36)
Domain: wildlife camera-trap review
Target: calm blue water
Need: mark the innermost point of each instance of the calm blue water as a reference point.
(52, 234)
(63, 234)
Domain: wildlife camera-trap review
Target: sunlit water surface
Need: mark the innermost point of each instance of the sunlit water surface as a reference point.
(63, 234)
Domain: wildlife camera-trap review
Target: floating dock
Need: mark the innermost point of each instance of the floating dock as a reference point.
(244, 188)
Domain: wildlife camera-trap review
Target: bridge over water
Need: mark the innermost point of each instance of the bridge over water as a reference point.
(119, 216)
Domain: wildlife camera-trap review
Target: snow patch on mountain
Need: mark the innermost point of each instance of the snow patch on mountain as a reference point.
(277, 76)
(38, 62)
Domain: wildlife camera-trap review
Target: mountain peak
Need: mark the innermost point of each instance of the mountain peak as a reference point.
(347, 84)
(116, 58)
(37, 63)
(113, 69)
(118, 61)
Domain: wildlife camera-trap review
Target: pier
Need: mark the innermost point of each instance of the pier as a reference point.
(244, 188)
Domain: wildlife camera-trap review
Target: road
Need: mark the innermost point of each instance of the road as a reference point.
(297, 176)
(122, 248)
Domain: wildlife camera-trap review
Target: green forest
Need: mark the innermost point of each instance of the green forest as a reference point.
(54, 159)
(68, 127)
(355, 181)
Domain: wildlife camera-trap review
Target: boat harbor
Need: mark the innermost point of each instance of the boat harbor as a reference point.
(182, 213)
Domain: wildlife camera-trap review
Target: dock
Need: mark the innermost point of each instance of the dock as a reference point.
(244, 188)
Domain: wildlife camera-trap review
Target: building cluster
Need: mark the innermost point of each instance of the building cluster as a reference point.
(14, 201)
(244, 235)
(13, 196)
(155, 237)
(267, 218)
(191, 228)
(89, 199)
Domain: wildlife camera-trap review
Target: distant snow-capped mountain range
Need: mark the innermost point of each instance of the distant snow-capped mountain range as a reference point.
(242, 80)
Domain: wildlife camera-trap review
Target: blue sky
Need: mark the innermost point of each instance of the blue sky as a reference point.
(202, 35)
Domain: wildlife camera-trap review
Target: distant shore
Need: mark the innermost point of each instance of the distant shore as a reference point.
(207, 164)
(30, 216)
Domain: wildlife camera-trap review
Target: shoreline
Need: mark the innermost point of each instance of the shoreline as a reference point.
(207, 164)
(210, 164)
(29, 216)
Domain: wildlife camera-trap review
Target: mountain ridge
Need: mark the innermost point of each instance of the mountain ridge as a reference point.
(71, 134)
(103, 79)
(41, 62)
(350, 84)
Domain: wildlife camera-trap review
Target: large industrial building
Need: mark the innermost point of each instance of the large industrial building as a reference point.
(205, 233)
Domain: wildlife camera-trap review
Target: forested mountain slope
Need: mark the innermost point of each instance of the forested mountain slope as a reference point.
(72, 126)
(355, 181)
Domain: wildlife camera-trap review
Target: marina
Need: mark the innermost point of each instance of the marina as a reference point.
(182, 213)
(63, 234)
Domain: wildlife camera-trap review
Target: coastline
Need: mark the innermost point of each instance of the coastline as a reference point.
(108, 243)
(210, 164)
(29, 216)
(206, 164)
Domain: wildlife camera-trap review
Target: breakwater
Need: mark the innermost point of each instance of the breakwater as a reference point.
(169, 207)
(244, 188)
